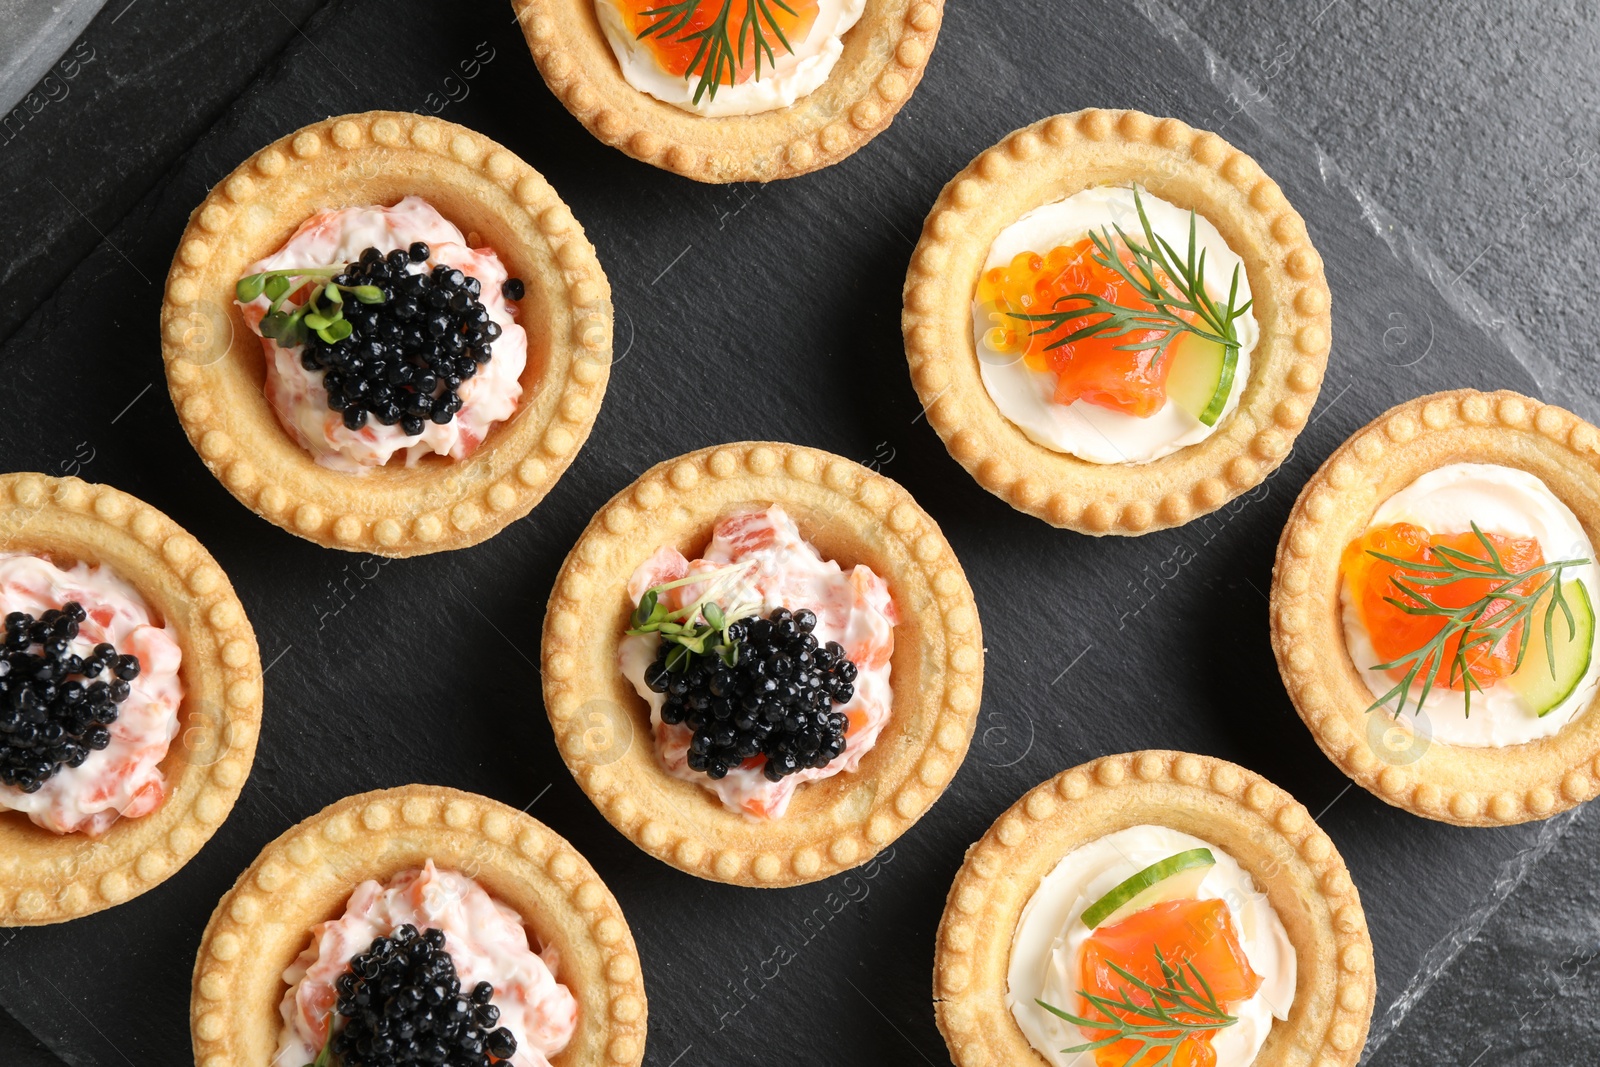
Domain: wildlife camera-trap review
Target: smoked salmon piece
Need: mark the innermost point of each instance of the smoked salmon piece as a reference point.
(1187, 932)
(676, 46)
(1396, 633)
(1098, 369)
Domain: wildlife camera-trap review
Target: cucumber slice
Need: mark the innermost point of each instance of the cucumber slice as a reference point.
(1201, 376)
(1541, 691)
(1173, 878)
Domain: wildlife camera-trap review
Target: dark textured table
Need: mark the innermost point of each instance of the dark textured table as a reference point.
(1453, 168)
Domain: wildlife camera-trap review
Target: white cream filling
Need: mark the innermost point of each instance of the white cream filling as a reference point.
(1046, 949)
(792, 75)
(1501, 500)
(1082, 429)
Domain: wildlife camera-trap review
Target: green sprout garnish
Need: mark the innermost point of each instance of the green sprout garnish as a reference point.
(325, 1057)
(323, 311)
(696, 628)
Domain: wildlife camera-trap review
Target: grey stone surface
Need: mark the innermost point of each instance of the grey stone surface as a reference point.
(19, 1048)
(1474, 129)
(130, 96)
(1524, 991)
(33, 33)
(1358, 68)
(1474, 126)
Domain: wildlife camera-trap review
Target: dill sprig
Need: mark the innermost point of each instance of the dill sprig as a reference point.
(1485, 622)
(698, 627)
(1169, 283)
(716, 56)
(1177, 1010)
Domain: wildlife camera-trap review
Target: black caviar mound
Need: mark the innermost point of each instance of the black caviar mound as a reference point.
(407, 355)
(402, 1005)
(53, 711)
(776, 701)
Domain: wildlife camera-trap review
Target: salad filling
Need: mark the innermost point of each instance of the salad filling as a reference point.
(89, 696)
(492, 965)
(764, 665)
(385, 335)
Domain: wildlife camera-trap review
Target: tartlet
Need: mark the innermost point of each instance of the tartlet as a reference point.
(215, 363)
(47, 877)
(1192, 169)
(1483, 786)
(883, 59)
(1267, 831)
(305, 876)
(851, 515)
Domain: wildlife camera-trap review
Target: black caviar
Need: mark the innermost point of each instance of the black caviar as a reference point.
(53, 710)
(406, 356)
(776, 701)
(402, 1005)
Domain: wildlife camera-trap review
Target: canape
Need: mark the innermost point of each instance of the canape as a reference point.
(1116, 322)
(386, 333)
(732, 90)
(1154, 907)
(1433, 607)
(130, 698)
(418, 925)
(762, 662)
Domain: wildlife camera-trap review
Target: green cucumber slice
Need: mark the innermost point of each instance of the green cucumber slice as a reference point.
(1201, 376)
(1173, 878)
(1541, 691)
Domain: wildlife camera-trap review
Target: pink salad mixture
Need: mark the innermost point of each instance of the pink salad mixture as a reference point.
(297, 395)
(485, 938)
(123, 781)
(853, 608)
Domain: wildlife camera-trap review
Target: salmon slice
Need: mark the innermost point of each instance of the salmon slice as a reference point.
(1396, 633)
(1098, 370)
(675, 48)
(1187, 932)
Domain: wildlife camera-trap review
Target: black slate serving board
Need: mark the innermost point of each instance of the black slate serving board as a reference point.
(742, 312)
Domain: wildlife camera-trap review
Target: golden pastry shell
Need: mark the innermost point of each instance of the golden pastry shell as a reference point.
(1266, 830)
(883, 59)
(852, 515)
(47, 877)
(1190, 168)
(306, 876)
(1466, 786)
(215, 365)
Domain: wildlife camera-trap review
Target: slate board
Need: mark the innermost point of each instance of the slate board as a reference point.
(742, 312)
